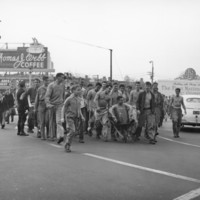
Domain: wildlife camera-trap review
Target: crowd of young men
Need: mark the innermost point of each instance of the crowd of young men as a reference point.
(59, 112)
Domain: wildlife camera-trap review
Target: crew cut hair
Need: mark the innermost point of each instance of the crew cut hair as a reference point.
(59, 75)
(74, 87)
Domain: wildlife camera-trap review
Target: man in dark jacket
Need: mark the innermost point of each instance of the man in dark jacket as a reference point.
(9, 105)
(2, 110)
(22, 107)
(146, 109)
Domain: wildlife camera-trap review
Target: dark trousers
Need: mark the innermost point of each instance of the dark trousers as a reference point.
(52, 122)
(2, 118)
(176, 121)
(43, 121)
(21, 120)
(31, 118)
(86, 116)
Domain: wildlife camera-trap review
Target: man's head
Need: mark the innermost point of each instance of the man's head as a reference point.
(104, 84)
(148, 86)
(108, 88)
(137, 85)
(122, 87)
(22, 84)
(36, 83)
(45, 80)
(89, 86)
(155, 86)
(60, 77)
(98, 86)
(120, 100)
(177, 91)
(129, 88)
(76, 90)
(115, 86)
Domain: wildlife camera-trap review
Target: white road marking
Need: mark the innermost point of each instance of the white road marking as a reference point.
(188, 144)
(144, 168)
(54, 145)
(190, 195)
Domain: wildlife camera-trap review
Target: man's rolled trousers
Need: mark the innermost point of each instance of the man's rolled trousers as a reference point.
(147, 115)
(43, 119)
(42, 111)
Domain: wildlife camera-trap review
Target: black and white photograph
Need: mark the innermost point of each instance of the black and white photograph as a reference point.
(99, 100)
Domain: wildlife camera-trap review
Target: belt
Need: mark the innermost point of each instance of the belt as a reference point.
(147, 108)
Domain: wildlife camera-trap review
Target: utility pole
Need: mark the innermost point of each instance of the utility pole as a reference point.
(111, 64)
(93, 45)
(0, 35)
(152, 71)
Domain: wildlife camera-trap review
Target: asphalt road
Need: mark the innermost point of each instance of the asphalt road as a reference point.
(31, 169)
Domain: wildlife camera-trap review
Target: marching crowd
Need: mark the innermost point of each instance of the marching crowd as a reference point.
(108, 111)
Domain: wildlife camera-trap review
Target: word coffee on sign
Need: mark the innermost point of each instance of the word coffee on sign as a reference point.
(22, 59)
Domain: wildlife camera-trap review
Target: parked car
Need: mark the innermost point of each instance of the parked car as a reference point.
(192, 104)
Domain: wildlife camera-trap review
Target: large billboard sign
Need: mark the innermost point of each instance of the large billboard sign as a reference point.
(4, 84)
(22, 58)
(167, 87)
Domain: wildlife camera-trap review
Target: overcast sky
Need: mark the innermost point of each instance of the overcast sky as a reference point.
(165, 31)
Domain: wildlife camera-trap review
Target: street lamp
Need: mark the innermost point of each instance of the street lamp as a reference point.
(152, 71)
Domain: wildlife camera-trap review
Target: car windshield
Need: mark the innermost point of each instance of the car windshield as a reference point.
(193, 100)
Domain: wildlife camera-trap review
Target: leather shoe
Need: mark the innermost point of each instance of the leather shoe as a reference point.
(67, 148)
(24, 134)
(152, 142)
(61, 139)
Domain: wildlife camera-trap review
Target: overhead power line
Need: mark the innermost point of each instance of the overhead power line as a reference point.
(84, 43)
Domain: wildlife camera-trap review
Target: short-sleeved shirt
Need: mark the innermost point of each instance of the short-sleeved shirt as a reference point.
(55, 94)
(32, 93)
(121, 113)
(22, 103)
(41, 93)
(40, 97)
(72, 106)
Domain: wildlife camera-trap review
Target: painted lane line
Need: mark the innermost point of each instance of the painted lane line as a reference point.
(143, 168)
(188, 144)
(190, 195)
(54, 145)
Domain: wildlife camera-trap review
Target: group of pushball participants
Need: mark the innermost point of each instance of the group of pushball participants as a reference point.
(60, 112)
